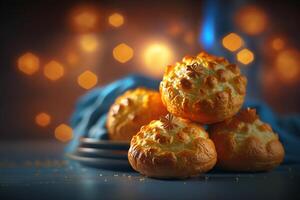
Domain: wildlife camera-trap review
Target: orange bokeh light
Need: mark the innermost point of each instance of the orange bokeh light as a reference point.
(232, 42)
(277, 44)
(189, 38)
(85, 18)
(175, 29)
(123, 53)
(88, 43)
(157, 57)
(43, 119)
(63, 133)
(288, 65)
(28, 63)
(87, 80)
(116, 20)
(251, 19)
(269, 78)
(245, 56)
(54, 70)
(72, 58)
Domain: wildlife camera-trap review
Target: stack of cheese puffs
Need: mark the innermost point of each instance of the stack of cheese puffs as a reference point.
(165, 128)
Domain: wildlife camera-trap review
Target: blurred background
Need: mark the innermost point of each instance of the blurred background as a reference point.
(52, 52)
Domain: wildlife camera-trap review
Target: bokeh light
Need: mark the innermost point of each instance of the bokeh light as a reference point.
(43, 119)
(54, 70)
(85, 19)
(87, 80)
(232, 42)
(245, 56)
(28, 63)
(89, 43)
(157, 57)
(278, 44)
(251, 19)
(288, 65)
(116, 20)
(270, 78)
(72, 58)
(175, 29)
(63, 133)
(123, 53)
(189, 38)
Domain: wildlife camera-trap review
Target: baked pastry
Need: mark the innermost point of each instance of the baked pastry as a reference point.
(205, 88)
(245, 143)
(172, 147)
(132, 110)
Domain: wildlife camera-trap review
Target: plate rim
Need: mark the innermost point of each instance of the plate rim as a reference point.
(101, 141)
(83, 159)
(101, 153)
(103, 144)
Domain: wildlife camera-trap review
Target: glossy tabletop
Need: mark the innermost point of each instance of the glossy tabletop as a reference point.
(39, 170)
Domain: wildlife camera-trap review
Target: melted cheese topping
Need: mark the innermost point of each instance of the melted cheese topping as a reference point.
(247, 124)
(179, 136)
(201, 80)
(132, 110)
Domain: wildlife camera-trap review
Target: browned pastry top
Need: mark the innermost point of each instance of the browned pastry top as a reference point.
(172, 147)
(203, 84)
(245, 143)
(132, 110)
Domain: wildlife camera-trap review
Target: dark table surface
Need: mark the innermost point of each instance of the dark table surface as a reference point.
(39, 170)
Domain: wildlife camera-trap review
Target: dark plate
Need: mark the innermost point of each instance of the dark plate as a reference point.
(103, 144)
(101, 153)
(104, 163)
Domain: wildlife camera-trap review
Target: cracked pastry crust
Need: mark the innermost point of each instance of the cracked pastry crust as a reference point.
(204, 88)
(172, 147)
(132, 110)
(245, 143)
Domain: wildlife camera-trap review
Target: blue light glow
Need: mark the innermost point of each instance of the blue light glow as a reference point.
(207, 34)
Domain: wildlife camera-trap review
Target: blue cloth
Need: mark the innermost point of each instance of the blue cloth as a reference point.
(89, 117)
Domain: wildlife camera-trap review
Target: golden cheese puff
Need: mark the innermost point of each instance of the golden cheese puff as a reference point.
(132, 110)
(172, 147)
(245, 143)
(205, 88)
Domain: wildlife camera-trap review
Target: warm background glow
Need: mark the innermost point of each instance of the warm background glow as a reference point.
(87, 80)
(80, 45)
(43, 119)
(175, 29)
(189, 37)
(123, 53)
(232, 42)
(245, 56)
(63, 133)
(85, 18)
(157, 56)
(288, 65)
(72, 58)
(54, 70)
(278, 44)
(251, 19)
(28, 63)
(116, 20)
(88, 43)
